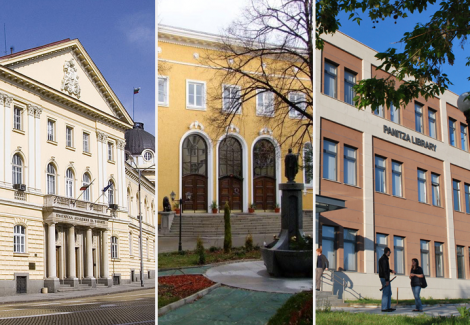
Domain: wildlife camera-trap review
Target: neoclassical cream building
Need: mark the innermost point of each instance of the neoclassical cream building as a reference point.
(62, 128)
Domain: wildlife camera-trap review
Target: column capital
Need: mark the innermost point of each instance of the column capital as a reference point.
(102, 137)
(7, 100)
(121, 144)
(31, 109)
(37, 112)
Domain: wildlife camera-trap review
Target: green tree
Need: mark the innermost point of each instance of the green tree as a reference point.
(228, 229)
(418, 68)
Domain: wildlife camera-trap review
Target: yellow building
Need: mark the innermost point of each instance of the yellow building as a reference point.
(62, 128)
(242, 164)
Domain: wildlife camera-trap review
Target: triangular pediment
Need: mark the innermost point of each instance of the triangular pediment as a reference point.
(67, 67)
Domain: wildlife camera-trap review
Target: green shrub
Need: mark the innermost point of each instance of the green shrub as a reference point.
(228, 229)
(213, 249)
(200, 251)
(249, 243)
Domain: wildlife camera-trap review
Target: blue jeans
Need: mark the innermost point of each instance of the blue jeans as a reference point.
(416, 292)
(386, 295)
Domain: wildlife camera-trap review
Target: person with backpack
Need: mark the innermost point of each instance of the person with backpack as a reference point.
(384, 275)
(417, 277)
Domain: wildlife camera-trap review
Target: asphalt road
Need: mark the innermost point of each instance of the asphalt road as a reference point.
(129, 308)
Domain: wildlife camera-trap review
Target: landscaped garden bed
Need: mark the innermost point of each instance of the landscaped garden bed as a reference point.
(176, 287)
(298, 310)
(212, 255)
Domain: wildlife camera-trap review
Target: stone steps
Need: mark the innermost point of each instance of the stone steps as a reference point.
(327, 298)
(80, 287)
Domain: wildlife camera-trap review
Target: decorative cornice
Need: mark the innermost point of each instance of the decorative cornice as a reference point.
(196, 125)
(266, 131)
(232, 128)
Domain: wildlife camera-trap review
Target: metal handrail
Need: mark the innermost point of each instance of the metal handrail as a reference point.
(333, 279)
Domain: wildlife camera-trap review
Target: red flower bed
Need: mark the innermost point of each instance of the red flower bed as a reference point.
(182, 286)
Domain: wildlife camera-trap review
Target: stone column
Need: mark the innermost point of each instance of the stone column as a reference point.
(72, 279)
(7, 126)
(89, 279)
(37, 139)
(31, 148)
(52, 282)
(105, 278)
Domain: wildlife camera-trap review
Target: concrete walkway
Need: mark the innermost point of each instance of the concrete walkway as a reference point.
(436, 310)
(148, 284)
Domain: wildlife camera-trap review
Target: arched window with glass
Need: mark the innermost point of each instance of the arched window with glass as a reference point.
(51, 179)
(69, 183)
(19, 239)
(231, 173)
(194, 172)
(17, 169)
(264, 175)
(86, 182)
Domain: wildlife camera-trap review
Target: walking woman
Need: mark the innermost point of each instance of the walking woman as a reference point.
(415, 275)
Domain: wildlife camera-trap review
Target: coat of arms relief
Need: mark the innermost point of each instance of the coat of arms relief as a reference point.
(70, 80)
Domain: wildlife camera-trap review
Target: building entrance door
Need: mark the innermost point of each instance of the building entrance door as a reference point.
(57, 261)
(197, 186)
(264, 175)
(230, 174)
(94, 263)
(77, 263)
(231, 191)
(194, 172)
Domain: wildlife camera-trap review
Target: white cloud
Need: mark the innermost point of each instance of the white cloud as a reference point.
(139, 29)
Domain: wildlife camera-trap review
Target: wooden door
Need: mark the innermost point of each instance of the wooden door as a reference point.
(231, 191)
(194, 171)
(57, 261)
(264, 171)
(197, 186)
(265, 193)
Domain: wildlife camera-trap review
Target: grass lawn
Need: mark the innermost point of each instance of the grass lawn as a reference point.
(345, 318)
(298, 310)
(427, 301)
(189, 258)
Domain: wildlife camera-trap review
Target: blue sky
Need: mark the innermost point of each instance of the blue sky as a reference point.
(387, 32)
(119, 36)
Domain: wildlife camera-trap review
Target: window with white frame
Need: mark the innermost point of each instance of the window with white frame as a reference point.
(114, 247)
(330, 86)
(380, 244)
(349, 82)
(439, 259)
(308, 164)
(148, 156)
(452, 133)
(422, 197)
(231, 99)
(380, 111)
(17, 118)
(425, 258)
(463, 137)
(394, 114)
(19, 239)
(17, 169)
(86, 142)
(86, 183)
(130, 243)
(264, 103)
(50, 130)
(163, 86)
(432, 123)
(110, 151)
(350, 255)
(69, 183)
(329, 160)
(51, 179)
(196, 93)
(419, 118)
(69, 136)
(147, 246)
(111, 193)
(436, 200)
(380, 171)
(299, 100)
(399, 250)
(467, 198)
(350, 165)
(396, 179)
(456, 191)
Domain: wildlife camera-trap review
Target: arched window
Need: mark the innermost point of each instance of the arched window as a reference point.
(264, 159)
(69, 183)
(308, 164)
(114, 247)
(111, 193)
(148, 156)
(86, 182)
(230, 158)
(19, 239)
(51, 175)
(194, 155)
(17, 169)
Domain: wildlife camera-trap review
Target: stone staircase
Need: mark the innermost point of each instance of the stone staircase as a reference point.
(326, 299)
(81, 287)
(212, 225)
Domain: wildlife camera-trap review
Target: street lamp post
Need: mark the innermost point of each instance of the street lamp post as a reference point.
(188, 197)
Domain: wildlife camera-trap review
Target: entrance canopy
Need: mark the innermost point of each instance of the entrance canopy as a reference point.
(325, 204)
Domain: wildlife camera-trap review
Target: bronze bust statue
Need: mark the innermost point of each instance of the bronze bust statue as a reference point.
(291, 166)
(166, 204)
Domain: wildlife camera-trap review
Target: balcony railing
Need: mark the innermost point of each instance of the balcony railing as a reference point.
(70, 203)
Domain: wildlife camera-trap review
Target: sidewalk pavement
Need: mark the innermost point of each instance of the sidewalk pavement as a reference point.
(31, 297)
(434, 310)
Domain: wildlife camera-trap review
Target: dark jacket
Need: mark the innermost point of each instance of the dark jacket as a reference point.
(415, 281)
(324, 261)
(384, 268)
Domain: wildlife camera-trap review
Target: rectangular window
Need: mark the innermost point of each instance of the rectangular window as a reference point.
(110, 151)
(86, 142)
(350, 257)
(50, 130)
(231, 99)
(456, 190)
(381, 243)
(422, 186)
(394, 114)
(463, 137)
(328, 245)
(196, 95)
(425, 260)
(380, 174)
(264, 103)
(432, 123)
(350, 165)
(460, 262)
(130, 243)
(114, 247)
(17, 118)
(379, 111)
(399, 250)
(349, 82)
(163, 91)
(439, 257)
(419, 117)
(452, 132)
(396, 179)
(330, 79)
(19, 239)
(69, 136)
(436, 199)
(467, 198)
(299, 100)
(329, 160)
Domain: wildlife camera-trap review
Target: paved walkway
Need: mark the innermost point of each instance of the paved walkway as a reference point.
(436, 310)
(149, 283)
